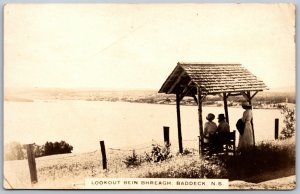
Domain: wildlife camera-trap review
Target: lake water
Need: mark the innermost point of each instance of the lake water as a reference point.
(120, 124)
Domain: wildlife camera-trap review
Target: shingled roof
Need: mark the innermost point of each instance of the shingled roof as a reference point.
(211, 79)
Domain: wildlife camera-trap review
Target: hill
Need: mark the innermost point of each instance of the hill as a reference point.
(271, 97)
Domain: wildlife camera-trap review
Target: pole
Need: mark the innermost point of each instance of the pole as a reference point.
(200, 119)
(179, 123)
(104, 161)
(32, 164)
(166, 135)
(252, 121)
(276, 128)
(225, 107)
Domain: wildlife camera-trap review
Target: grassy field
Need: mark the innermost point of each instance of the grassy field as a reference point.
(69, 170)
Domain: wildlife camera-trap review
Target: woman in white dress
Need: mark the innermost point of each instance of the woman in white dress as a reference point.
(246, 140)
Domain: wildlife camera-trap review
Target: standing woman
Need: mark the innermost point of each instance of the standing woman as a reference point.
(246, 140)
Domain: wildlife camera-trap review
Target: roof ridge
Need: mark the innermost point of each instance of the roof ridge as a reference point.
(207, 63)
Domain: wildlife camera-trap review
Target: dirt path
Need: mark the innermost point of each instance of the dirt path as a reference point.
(285, 183)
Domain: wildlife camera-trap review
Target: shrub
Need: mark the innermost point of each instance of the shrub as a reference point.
(266, 157)
(289, 121)
(39, 150)
(186, 152)
(159, 153)
(187, 168)
(14, 151)
(148, 157)
(132, 160)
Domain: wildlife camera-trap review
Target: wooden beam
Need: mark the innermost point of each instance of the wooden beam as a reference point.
(186, 90)
(231, 91)
(253, 95)
(220, 95)
(245, 96)
(195, 98)
(234, 94)
(203, 97)
(176, 82)
(179, 123)
(223, 94)
(225, 107)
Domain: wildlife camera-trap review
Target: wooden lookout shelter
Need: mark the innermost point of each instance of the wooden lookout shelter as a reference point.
(198, 80)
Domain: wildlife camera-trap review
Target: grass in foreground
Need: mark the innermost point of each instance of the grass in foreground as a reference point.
(65, 171)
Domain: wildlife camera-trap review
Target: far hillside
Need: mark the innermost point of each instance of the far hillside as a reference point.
(267, 99)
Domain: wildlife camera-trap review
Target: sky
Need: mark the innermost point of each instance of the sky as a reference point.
(136, 46)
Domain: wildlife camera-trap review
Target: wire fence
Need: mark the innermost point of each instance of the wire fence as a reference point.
(116, 158)
(138, 147)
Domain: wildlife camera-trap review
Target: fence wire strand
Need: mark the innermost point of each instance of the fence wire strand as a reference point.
(129, 150)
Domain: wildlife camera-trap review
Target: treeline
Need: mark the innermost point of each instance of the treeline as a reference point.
(259, 99)
(16, 151)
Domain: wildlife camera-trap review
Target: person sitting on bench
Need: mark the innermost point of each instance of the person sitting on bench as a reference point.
(223, 125)
(222, 128)
(210, 127)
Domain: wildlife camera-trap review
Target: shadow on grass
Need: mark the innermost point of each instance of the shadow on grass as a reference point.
(266, 161)
(271, 175)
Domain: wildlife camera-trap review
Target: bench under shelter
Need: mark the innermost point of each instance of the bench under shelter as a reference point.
(199, 80)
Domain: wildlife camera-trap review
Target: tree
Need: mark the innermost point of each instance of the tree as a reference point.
(289, 121)
(39, 150)
(16, 151)
(57, 148)
(13, 151)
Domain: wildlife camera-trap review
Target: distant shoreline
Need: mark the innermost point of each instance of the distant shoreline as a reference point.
(271, 106)
(263, 100)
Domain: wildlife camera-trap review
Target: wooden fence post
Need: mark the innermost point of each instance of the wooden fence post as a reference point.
(32, 164)
(276, 128)
(166, 135)
(104, 161)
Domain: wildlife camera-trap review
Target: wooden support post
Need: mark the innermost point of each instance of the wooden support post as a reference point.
(252, 121)
(225, 107)
(166, 135)
(179, 123)
(32, 164)
(276, 128)
(200, 119)
(103, 152)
